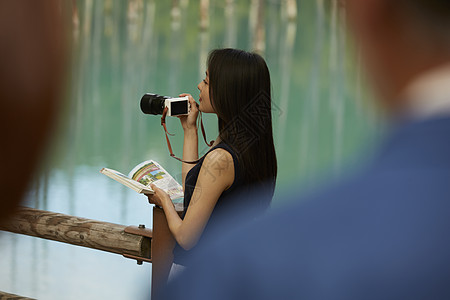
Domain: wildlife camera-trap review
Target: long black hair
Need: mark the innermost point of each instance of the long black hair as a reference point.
(240, 93)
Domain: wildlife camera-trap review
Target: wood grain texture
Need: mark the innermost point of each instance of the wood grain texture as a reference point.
(6, 296)
(83, 232)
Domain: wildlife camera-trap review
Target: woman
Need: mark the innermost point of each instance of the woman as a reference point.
(242, 159)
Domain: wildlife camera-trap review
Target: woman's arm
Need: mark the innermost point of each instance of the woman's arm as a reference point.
(216, 175)
(190, 143)
(190, 151)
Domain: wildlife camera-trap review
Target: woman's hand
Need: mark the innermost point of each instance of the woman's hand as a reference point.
(190, 121)
(159, 198)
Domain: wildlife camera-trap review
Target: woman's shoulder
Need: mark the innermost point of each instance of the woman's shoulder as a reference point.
(218, 169)
(219, 156)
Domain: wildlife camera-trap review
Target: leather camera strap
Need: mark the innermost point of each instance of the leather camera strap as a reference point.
(163, 123)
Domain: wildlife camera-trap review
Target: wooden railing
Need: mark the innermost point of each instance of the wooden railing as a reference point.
(135, 242)
(6, 296)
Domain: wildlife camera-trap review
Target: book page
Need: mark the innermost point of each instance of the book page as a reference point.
(151, 172)
(137, 186)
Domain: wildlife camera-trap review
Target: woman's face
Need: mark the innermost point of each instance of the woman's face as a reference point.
(205, 102)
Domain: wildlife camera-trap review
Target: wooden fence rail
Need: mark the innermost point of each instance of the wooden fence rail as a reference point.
(134, 242)
(94, 234)
(6, 296)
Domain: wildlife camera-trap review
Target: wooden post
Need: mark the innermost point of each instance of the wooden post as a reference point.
(81, 232)
(162, 247)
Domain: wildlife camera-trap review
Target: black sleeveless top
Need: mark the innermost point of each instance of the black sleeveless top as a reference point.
(230, 198)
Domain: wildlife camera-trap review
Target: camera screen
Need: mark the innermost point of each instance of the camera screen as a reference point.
(179, 108)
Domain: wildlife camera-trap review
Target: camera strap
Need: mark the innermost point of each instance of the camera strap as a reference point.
(163, 123)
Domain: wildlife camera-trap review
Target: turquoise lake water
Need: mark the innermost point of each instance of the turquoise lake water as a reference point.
(123, 49)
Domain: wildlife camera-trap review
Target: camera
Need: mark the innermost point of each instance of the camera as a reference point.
(154, 104)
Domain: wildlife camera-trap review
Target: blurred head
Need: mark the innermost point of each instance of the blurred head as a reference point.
(31, 76)
(399, 40)
(240, 94)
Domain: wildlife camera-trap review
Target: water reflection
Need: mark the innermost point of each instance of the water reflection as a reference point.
(288, 40)
(230, 21)
(204, 37)
(123, 49)
(310, 117)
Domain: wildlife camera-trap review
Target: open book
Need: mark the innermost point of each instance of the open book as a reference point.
(147, 172)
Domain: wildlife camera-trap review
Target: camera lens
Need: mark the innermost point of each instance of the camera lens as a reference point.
(153, 104)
